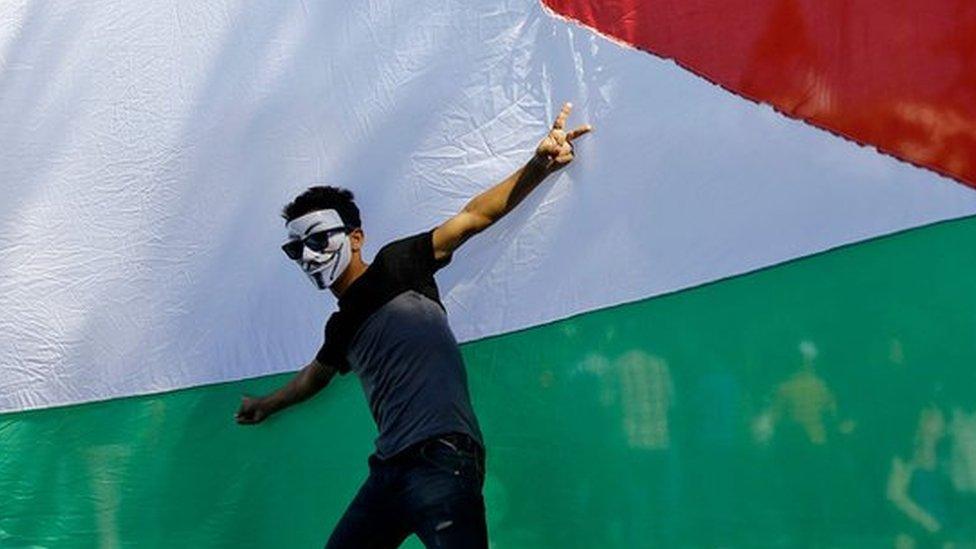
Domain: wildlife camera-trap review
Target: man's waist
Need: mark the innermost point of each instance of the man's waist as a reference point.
(457, 440)
(460, 441)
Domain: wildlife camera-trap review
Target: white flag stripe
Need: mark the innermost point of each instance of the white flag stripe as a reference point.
(147, 147)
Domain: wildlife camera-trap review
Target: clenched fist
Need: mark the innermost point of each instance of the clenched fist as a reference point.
(252, 410)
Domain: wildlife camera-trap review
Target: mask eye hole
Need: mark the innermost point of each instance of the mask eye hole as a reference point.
(293, 248)
(318, 242)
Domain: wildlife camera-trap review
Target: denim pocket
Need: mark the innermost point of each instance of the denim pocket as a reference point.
(450, 458)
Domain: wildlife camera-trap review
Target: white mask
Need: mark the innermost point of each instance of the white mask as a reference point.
(325, 266)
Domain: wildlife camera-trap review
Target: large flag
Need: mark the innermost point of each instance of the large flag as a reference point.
(699, 309)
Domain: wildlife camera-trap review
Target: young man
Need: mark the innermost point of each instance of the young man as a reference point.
(427, 473)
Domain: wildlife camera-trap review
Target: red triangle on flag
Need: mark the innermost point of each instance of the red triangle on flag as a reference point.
(899, 75)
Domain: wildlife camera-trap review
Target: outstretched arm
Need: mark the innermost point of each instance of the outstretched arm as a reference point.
(309, 380)
(554, 152)
(898, 480)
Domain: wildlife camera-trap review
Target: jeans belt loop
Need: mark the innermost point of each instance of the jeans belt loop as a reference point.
(448, 443)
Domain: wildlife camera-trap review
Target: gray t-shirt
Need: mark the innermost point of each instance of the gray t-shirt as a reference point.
(391, 330)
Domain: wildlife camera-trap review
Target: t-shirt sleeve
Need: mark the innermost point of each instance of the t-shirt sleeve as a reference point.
(332, 352)
(412, 257)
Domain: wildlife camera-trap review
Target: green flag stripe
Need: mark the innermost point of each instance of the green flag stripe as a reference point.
(762, 410)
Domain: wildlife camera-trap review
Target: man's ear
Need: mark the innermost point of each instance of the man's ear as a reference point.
(357, 238)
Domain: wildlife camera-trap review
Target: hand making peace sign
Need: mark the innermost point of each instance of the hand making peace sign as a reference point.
(556, 149)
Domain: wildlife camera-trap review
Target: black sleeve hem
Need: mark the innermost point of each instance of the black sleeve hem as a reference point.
(323, 357)
(434, 264)
(330, 352)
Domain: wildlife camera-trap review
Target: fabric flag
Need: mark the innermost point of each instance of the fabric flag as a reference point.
(699, 309)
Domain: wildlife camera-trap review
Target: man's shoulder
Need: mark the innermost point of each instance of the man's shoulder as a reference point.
(412, 256)
(405, 246)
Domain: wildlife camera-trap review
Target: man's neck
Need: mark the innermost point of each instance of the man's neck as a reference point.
(355, 269)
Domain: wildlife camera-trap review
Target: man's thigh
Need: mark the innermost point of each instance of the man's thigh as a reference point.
(442, 497)
(371, 521)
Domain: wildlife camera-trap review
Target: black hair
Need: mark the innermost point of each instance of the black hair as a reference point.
(324, 197)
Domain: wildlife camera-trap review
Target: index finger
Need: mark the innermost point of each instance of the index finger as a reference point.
(563, 115)
(578, 131)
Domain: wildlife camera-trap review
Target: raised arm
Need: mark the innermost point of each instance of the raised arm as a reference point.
(309, 380)
(554, 152)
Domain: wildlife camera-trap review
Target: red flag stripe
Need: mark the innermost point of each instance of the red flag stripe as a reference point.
(896, 74)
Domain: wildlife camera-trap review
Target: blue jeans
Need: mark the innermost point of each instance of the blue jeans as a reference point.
(432, 489)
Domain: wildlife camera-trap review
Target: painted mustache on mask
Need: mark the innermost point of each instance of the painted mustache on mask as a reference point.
(319, 243)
